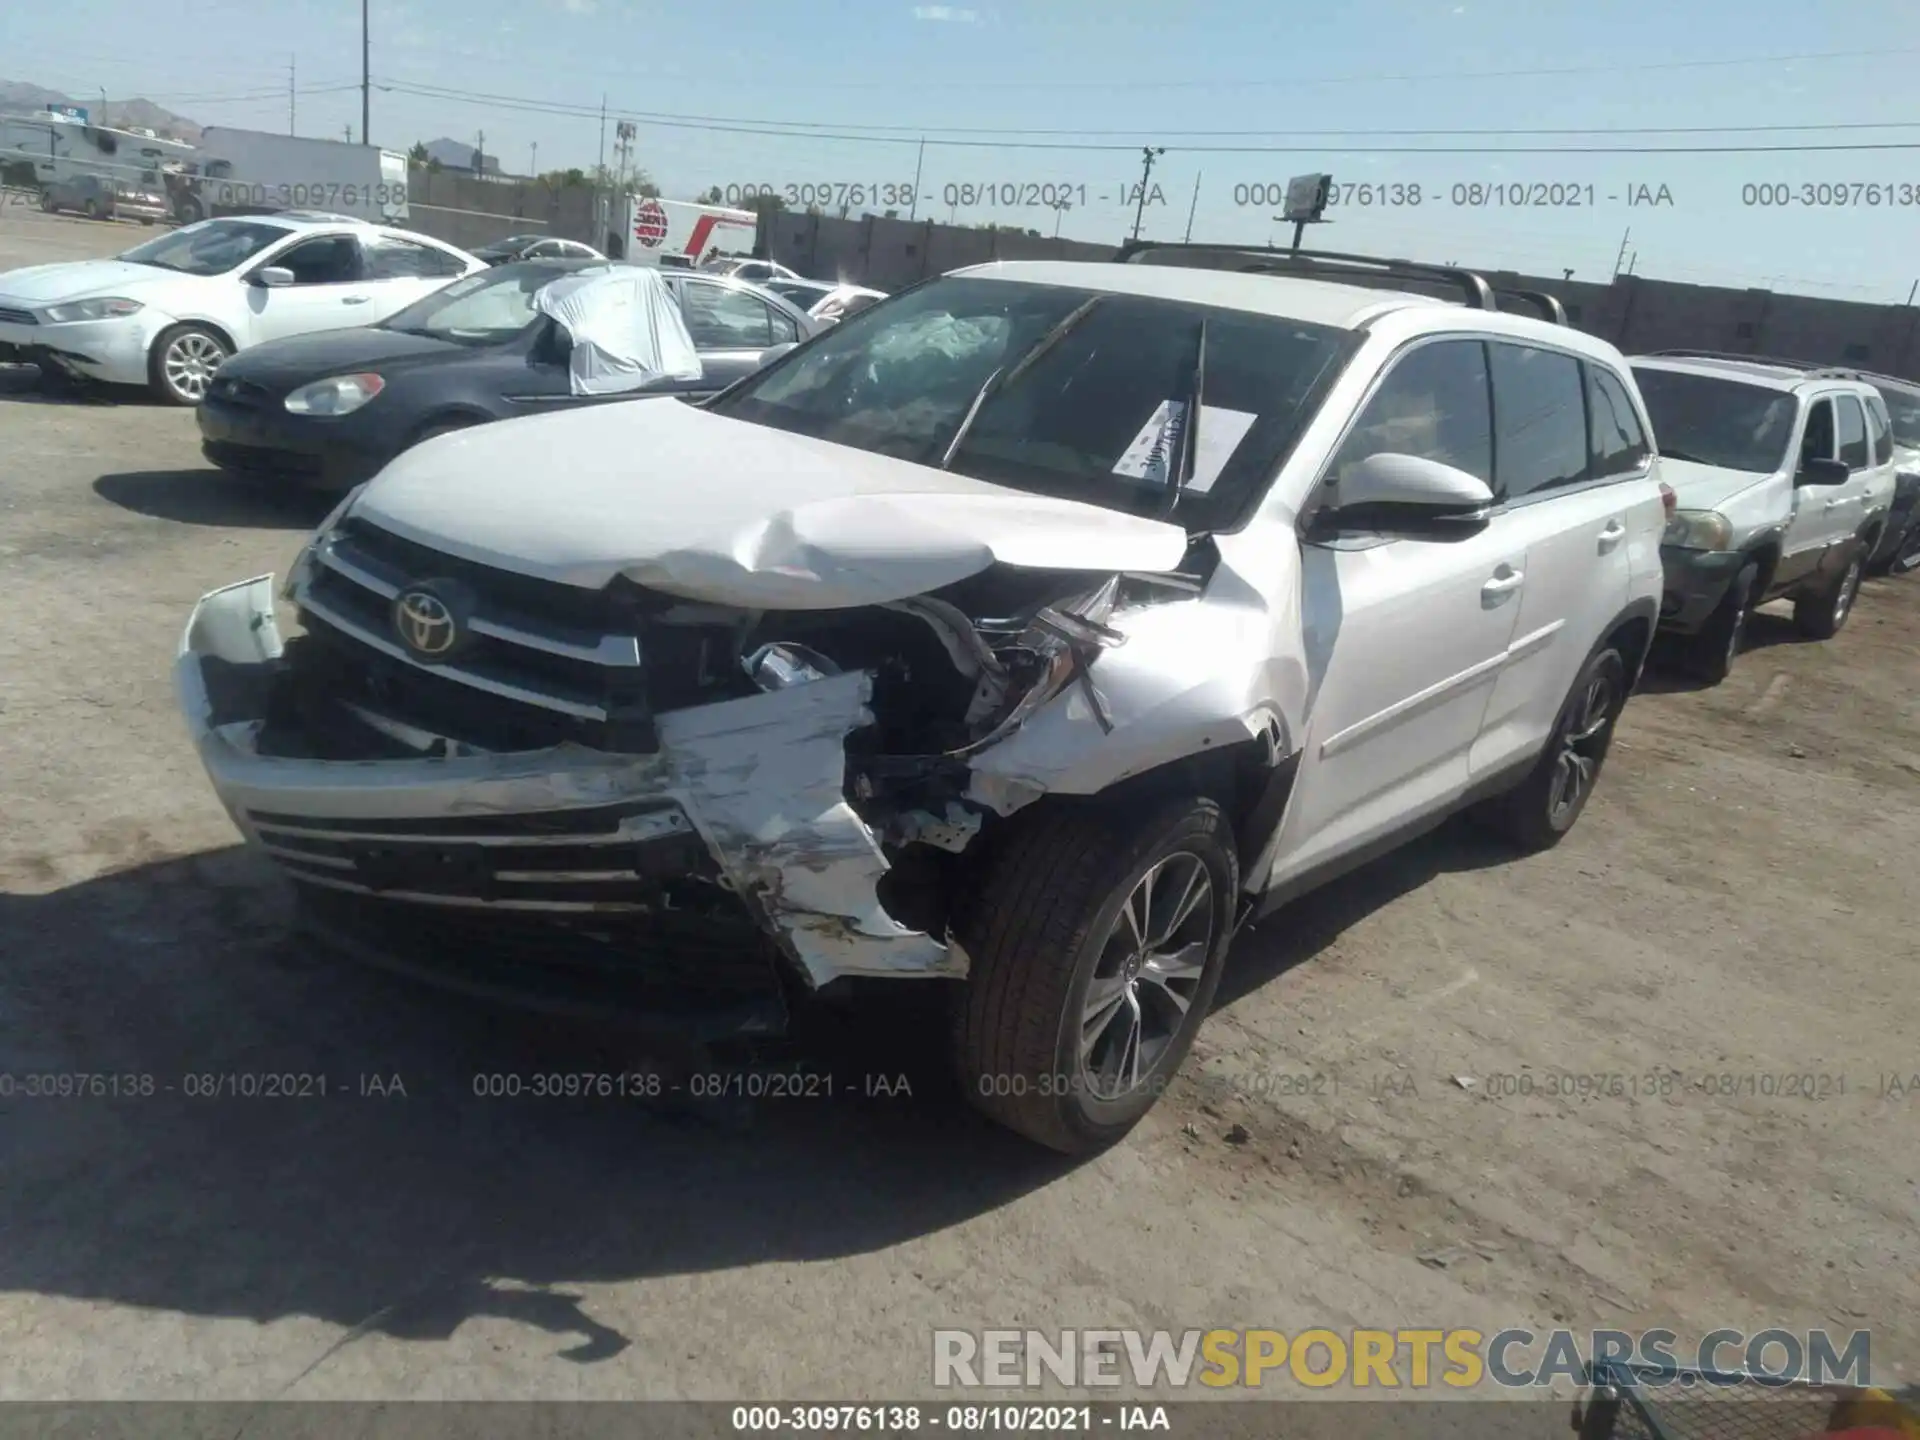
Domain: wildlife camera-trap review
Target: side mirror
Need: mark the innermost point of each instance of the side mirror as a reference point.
(273, 277)
(1394, 488)
(768, 356)
(1822, 471)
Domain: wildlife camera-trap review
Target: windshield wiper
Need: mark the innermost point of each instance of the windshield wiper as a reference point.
(1003, 377)
(1182, 470)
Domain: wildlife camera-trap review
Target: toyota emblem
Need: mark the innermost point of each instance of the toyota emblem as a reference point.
(425, 623)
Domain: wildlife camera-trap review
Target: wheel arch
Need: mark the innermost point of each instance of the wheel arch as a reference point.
(1766, 558)
(204, 322)
(1632, 631)
(458, 412)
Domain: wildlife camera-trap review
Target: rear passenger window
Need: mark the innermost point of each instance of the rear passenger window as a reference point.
(1435, 404)
(1853, 432)
(1619, 445)
(1540, 420)
(1880, 428)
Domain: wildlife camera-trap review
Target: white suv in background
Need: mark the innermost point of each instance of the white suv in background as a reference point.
(945, 649)
(1783, 475)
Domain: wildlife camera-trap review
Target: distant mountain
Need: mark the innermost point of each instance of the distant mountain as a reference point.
(17, 95)
(455, 156)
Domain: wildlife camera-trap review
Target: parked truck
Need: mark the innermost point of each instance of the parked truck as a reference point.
(254, 172)
(678, 232)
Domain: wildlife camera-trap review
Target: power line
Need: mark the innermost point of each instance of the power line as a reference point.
(681, 122)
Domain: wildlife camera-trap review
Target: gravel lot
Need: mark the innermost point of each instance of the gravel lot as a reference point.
(1735, 903)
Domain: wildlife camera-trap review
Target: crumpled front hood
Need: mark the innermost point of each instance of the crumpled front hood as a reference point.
(1704, 487)
(79, 279)
(710, 508)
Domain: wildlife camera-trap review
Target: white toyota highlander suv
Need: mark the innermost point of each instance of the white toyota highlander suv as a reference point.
(948, 648)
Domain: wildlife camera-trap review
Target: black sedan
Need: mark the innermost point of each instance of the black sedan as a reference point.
(330, 410)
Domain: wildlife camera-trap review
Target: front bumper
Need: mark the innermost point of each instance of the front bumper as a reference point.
(1696, 582)
(265, 442)
(111, 351)
(425, 855)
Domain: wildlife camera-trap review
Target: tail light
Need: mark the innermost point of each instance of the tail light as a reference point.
(1669, 502)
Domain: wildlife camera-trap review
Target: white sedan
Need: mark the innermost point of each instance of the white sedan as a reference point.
(167, 313)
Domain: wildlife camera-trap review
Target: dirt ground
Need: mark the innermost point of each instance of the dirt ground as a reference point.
(1735, 903)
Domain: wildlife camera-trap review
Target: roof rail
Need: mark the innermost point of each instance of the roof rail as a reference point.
(1780, 361)
(1270, 260)
(1550, 308)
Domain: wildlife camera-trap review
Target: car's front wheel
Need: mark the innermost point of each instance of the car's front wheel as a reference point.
(1819, 614)
(181, 365)
(1096, 946)
(1542, 808)
(1713, 651)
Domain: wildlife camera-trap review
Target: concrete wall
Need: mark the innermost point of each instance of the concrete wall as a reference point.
(1634, 312)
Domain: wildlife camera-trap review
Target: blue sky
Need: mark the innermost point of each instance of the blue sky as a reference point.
(1119, 74)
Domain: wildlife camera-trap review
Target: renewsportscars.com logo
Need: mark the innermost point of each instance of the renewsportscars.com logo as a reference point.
(1408, 1359)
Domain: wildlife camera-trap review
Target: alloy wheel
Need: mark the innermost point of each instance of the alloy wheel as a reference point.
(1849, 587)
(1147, 974)
(1582, 741)
(190, 362)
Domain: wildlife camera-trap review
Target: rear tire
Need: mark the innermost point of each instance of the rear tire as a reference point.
(1066, 943)
(1711, 653)
(1820, 614)
(46, 201)
(1538, 812)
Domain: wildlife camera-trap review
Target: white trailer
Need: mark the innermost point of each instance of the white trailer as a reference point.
(257, 172)
(678, 232)
(41, 149)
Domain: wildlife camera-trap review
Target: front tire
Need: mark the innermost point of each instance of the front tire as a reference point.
(1711, 653)
(182, 362)
(1538, 812)
(1820, 614)
(1096, 949)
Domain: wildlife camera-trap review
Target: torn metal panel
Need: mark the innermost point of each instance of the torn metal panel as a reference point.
(764, 780)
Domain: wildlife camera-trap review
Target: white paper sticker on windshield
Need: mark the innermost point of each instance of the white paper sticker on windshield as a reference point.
(1157, 445)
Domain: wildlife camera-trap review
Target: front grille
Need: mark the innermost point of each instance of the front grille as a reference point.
(18, 317)
(606, 860)
(257, 460)
(540, 663)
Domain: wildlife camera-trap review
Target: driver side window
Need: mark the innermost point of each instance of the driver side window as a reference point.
(323, 260)
(1435, 403)
(1816, 442)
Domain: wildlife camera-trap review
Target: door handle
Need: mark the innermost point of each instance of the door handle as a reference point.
(1502, 584)
(1834, 504)
(356, 299)
(1612, 536)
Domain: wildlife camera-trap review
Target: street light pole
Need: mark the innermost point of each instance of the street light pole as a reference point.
(366, 93)
(1150, 154)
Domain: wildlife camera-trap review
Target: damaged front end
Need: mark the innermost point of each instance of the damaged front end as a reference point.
(632, 792)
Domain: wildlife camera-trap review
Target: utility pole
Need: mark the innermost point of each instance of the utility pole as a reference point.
(1916, 286)
(480, 153)
(292, 91)
(913, 208)
(1149, 154)
(1192, 208)
(1623, 251)
(349, 134)
(602, 205)
(1060, 208)
(533, 158)
(366, 92)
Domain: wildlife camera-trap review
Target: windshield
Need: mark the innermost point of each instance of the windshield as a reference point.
(211, 247)
(1090, 419)
(1711, 421)
(482, 309)
(1903, 409)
